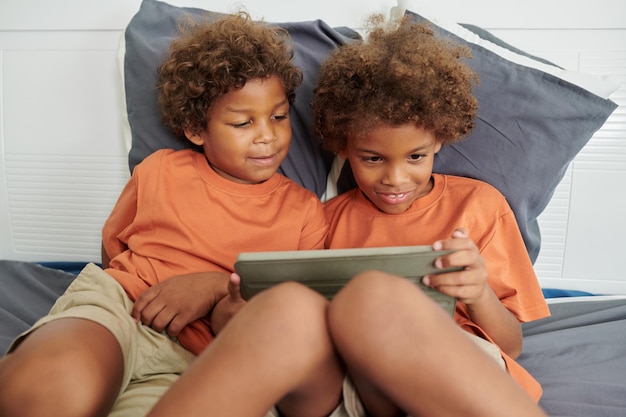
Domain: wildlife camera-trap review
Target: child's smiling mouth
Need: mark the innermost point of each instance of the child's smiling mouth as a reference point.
(265, 160)
(394, 198)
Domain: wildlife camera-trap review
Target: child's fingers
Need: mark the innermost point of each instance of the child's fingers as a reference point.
(459, 240)
(465, 286)
(464, 256)
(461, 232)
(142, 302)
(451, 280)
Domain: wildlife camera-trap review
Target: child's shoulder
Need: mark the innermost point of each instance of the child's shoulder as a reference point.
(458, 183)
(340, 199)
(473, 194)
(160, 156)
(293, 189)
(337, 205)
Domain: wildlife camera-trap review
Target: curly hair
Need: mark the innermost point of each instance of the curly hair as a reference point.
(211, 58)
(399, 75)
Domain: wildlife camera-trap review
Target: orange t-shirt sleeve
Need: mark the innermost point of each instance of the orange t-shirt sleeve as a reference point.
(512, 276)
(315, 230)
(120, 220)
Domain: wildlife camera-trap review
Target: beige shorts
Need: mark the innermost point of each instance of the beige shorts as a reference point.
(492, 350)
(352, 406)
(152, 361)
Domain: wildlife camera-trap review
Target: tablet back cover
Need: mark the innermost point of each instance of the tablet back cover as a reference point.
(327, 271)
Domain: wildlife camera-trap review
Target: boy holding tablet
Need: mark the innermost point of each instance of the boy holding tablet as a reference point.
(381, 347)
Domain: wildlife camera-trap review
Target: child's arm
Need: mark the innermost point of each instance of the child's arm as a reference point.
(470, 286)
(172, 304)
(105, 258)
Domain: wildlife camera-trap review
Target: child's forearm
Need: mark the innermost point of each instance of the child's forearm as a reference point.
(104, 258)
(112, 253)
(177, 301)
(498, 322)
(215, 286)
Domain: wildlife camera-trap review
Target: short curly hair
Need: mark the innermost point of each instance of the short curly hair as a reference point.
(400, 74)
(211, 58)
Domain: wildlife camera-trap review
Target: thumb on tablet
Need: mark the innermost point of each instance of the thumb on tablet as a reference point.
(234, 286)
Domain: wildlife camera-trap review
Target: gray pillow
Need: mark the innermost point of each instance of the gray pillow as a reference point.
(28, 292)
(530, 126)
(147, 40)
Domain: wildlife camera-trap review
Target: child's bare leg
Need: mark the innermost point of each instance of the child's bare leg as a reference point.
(68, 367)
(403, 351)
(276, 350)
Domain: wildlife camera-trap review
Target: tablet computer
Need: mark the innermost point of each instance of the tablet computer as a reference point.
(327, 271)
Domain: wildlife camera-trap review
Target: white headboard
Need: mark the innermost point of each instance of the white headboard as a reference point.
(63, 160)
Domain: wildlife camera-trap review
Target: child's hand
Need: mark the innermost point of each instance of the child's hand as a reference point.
(468, 285)
(172, 304)
(228, 306)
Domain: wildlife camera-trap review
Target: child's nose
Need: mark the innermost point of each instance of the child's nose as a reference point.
(265, 133)
(394, 175)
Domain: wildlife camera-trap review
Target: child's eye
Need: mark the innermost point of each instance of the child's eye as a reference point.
(241, 124)
(415, 157)
(280, 117)
(372, 159)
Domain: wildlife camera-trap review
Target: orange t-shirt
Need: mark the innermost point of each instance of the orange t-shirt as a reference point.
(177, 216)
(453, 202)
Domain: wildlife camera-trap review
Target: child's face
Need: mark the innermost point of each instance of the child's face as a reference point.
(392, 165)
(248, 131)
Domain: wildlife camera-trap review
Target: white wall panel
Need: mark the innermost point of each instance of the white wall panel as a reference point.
(63, 159)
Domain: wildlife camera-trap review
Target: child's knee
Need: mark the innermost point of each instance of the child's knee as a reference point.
(56, 384)
(369, 289)
(31, 384)
(368, 301)
(294, 299)
(295, 309)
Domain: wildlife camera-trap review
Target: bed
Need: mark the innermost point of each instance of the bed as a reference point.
(528, 106)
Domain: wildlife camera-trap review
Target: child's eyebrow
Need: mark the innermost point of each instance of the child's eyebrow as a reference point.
(421, 148)
(414, 150)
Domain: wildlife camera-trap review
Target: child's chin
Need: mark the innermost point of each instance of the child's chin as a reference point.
(258, 176)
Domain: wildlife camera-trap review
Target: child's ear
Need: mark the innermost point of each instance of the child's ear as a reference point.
(343, 153)
(194, 137)
(438, 147)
